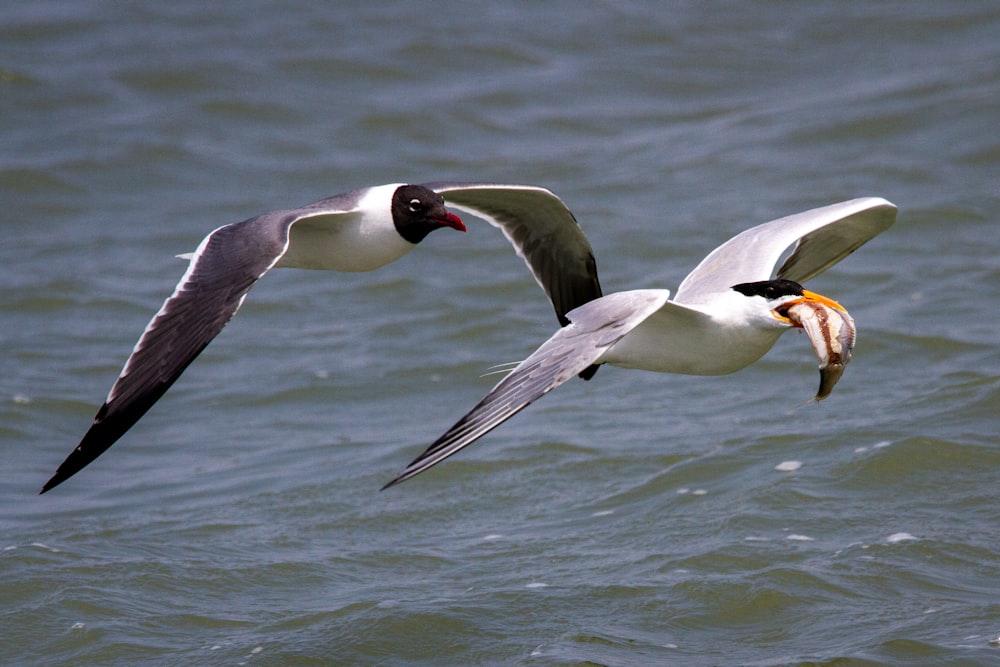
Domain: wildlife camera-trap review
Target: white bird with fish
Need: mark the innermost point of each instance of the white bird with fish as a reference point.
(727, 313)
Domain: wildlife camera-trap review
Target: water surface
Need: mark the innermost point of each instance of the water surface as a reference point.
(635, 519)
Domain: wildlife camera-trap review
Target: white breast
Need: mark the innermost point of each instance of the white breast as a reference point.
(358, 240)
(715, 339)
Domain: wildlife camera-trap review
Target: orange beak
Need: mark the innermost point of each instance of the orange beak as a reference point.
(807, 297)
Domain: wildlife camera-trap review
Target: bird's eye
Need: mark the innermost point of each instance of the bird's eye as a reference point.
(415, 205)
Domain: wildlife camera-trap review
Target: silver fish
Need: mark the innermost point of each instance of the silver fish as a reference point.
(832, 334)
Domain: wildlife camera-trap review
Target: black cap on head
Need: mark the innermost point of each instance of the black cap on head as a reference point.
(770, 289)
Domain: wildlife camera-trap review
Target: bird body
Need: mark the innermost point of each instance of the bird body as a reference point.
(359, 230)
(727, 313)
(716, 338)
(349, 232)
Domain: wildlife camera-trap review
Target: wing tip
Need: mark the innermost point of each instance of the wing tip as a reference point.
(53, 482)
(405, 474)
(67, 469)
(398, 479)
(94, 443)
(874, 203)
(881, 210)
(880, 201)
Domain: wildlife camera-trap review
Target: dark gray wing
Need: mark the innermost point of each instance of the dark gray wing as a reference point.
(821, 236)
(543, 232)
(594, 327)
(222, 270)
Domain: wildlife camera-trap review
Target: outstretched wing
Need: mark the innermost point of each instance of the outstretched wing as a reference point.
(822, 237)
(593, 329)
(543, 232)
(222, 270)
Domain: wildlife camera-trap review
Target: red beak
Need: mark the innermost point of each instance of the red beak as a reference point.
(453, 221)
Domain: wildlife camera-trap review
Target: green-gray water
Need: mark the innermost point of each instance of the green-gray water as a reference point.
(638, 519)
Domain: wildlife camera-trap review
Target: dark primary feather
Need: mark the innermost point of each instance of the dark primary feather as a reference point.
(542, 230)
(186, 323)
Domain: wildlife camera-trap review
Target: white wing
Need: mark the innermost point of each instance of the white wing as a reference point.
(822, 237)
(594, 327)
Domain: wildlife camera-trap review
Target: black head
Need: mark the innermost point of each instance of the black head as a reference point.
(417, 211)
(770, 289)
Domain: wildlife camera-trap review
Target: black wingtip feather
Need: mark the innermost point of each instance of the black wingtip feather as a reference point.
(96, 441)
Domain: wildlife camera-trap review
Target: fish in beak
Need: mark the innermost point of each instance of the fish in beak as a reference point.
(831, 331)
